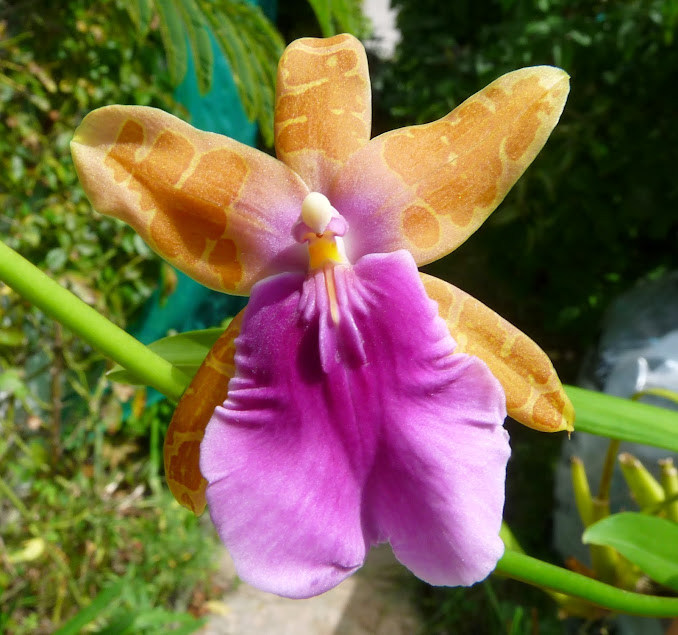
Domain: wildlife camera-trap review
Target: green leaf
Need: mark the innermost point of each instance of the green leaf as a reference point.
(186, 351)
(120, 624)
(152, 620)
(93, 610)
(323, 14)
(140, 11)
(649, 542)
(199, 39)
(56, 259)
(339, 16)
(173, 36)
(189, 628)
(623, 419)
(349, 17)
(160, 619)
(12, 384)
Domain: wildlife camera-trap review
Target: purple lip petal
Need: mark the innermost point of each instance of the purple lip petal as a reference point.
(436, 491)
(336, 436)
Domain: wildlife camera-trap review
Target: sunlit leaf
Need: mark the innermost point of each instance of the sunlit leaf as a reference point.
(31, 550)
(623, 419)
(649, 542)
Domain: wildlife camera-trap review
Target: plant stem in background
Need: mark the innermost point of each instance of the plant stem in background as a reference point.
(527, 569)
(84, 321)
(604, 559)
(644, 487)
(664, 393)
(608, 469)
(582, 491)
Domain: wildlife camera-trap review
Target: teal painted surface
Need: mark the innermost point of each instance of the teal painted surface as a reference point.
(220, 109)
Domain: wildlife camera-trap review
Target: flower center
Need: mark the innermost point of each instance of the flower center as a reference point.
(322, 228)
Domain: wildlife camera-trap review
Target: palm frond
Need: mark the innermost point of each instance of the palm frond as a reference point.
(249, 41)
(140, 12)
(197, 29)
(173, 34)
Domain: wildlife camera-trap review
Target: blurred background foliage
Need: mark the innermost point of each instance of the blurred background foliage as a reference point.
(597, 209)
(596, 212)
(81, 498)
(80, 501)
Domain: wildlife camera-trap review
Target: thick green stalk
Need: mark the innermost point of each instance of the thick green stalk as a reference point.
(542, 574)
(60, 304)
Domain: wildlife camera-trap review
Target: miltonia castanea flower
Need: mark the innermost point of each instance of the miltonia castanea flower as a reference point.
(354, 401)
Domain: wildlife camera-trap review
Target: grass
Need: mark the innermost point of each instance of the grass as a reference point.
(98, 518)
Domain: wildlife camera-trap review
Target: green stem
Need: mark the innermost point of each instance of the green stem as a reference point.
(59, 303)
(669, 395)
(542, 574)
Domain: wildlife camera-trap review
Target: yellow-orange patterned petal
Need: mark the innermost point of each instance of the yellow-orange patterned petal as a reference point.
(428, 188)
(323, 110)
(218, 210)
(534, 394)
(208, 390)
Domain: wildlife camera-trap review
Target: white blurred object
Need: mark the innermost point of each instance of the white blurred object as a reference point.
(386, 34)
(640, 324)
(655, 367)
(638, 347)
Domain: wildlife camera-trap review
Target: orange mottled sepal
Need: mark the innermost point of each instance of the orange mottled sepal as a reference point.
(202, 201)
(428, 188)
(323, 109)
(534, 394)
(208, 390)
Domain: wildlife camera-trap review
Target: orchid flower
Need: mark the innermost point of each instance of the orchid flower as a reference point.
(354, 401)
